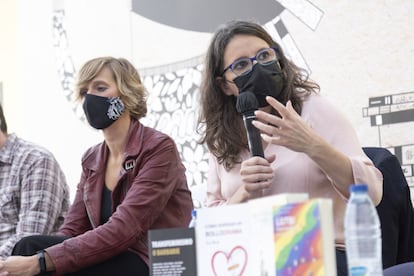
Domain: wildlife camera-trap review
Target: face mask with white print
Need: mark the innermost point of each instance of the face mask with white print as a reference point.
(101, 112)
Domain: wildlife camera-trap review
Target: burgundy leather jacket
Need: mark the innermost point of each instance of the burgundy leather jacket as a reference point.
(151, 193)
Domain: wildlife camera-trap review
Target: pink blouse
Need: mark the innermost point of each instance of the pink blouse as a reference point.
(295, 172)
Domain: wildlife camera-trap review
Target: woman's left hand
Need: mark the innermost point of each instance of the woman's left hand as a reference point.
(19, 266)
(289, 130)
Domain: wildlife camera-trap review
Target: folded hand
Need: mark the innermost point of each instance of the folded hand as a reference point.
(19, 266)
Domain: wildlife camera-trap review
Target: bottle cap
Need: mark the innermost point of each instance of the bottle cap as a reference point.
(194, 213)
(358, 188)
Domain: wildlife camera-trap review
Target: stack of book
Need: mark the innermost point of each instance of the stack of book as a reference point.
(285, 234)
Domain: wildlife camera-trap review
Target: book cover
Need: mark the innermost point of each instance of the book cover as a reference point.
(172, 251)
(304, 238)
(223, 241)
(238, 239)
(262, 228)
(277, 235)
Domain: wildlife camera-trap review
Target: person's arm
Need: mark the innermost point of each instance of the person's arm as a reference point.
(214, 195)
(19, 265)
(43, 191)
(143, 204)
(255, 174)
(76, 220)
(341, 159)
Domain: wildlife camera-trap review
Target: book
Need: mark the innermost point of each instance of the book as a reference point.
(278, 199)
(304, 238)
(172, 251)
(223, 246)
(238, 239)
(286, 234)
(261, 221)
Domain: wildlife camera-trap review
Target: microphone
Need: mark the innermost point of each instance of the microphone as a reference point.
(246, 105)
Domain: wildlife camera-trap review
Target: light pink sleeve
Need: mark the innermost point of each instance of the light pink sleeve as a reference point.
(333, 126)
(365, 172)
(214, 191)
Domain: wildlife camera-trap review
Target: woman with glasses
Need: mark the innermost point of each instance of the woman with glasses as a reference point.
(309, 146)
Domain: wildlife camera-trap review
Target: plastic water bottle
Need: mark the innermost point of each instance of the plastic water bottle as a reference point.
(362, 234)
(193, 220)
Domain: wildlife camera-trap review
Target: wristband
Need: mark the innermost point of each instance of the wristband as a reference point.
(42, 261)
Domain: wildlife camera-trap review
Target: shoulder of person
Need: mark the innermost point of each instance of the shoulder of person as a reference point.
(154, 136)
(94, 150)
(316, 102)
(323, 115)
(28, 148)
(144, 135)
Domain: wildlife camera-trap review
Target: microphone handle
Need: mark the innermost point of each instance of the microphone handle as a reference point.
(253, 136)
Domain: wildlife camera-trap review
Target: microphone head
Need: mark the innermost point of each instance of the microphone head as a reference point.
(246, 102)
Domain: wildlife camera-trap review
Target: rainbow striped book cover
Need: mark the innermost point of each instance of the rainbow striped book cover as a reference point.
(304, 238)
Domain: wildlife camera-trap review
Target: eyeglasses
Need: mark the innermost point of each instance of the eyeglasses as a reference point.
(243, 66)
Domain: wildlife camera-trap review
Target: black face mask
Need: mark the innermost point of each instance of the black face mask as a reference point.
(101, 112)
(262, 81)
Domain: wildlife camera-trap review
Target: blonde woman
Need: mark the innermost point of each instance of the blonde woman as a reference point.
(131, 182)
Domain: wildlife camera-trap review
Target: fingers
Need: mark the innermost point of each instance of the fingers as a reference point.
(255, 160)
(289, 107)
(271, 158)
(269, 134)
(257, 173)
(258, 178)
(256, 168)
(277, 105)
(267, 118)
(2, 272)
(257, 186)
(284, 111)
(264, 128)
(278, 130)
(271, 139)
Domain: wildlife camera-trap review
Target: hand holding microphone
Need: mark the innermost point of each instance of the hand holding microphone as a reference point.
(246, 105)
(262, 173)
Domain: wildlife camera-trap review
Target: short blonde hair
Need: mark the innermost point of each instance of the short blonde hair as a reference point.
(133, 92)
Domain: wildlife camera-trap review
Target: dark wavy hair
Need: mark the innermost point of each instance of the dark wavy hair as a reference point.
(219, 123)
